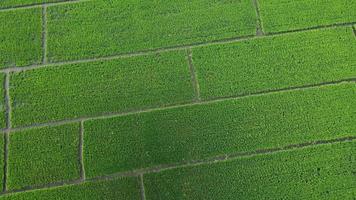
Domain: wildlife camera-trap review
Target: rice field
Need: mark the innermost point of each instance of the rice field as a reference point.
(201, 99)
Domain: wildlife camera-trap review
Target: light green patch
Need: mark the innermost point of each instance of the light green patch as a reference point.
(104, 28)
(277, 62)
(289, 15)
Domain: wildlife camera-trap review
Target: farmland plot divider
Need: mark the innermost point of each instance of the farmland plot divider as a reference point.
(142, 187)
(193, 75)
(259, 28)
(44, 34)
(80, 151)
(7, 129)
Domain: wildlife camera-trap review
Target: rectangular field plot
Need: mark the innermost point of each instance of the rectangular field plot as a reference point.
(95, 88)
(20, 37)
(320, 172)
(104, 28)
(203, 131)
(288, 15)
(276, 62)
(122, 188)
(43, 155)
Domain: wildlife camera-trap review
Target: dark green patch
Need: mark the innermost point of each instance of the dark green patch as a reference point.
(43, 155)
(321, 172)
(123, 188)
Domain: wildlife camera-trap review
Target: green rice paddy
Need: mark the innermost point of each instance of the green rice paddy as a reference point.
(201, 99)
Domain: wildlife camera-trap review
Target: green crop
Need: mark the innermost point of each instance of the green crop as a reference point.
(275, 62)
(320, 172)
(104, 28)
(177, 99)
(203, 131)
(43, 155)
(20, 38)
(122, 188)
(100, 87)
(288, 15)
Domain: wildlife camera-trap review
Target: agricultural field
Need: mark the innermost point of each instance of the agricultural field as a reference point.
(201, 99)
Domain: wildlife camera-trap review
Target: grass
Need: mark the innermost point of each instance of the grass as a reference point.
(323, 172)
(122, 188)
(288, 15)
(203, 131)
(275, 62)
(203, 99)
(42, 156)
(128, 26)
(99, 87)
(20, 46)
